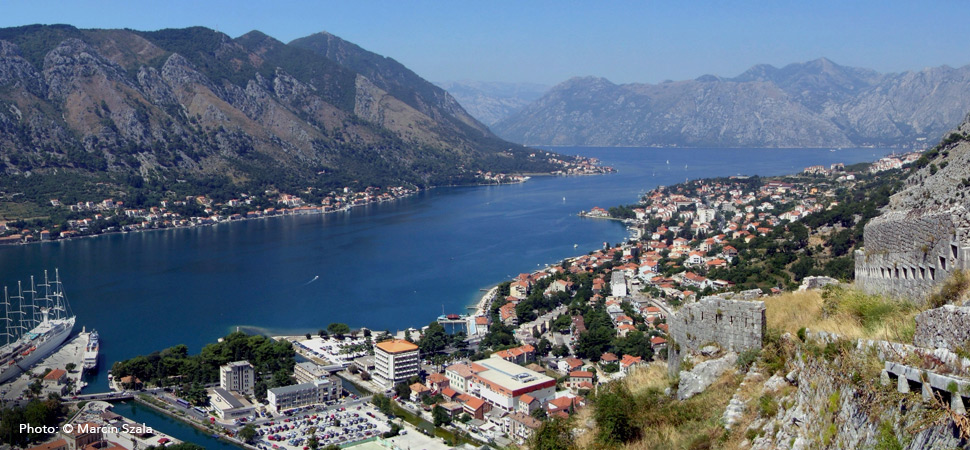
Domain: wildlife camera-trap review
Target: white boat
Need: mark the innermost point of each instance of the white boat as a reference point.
(91, 351)
(33, 327)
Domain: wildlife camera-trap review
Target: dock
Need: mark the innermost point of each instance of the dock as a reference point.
(71, 352)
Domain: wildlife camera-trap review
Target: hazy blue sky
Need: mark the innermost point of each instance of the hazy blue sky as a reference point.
(550, 41)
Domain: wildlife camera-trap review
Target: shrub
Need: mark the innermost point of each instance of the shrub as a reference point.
(952, 290)
(747, 358)
(767, 406)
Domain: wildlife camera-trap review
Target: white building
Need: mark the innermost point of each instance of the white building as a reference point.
(395, 360)
(228, 406)
(502, 383)
(705, 215)
(298, 395)
(308, 372)
(618, 284)
(238, 376)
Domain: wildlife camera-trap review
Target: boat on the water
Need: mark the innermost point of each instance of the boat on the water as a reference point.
(34, 326)
(91, 351)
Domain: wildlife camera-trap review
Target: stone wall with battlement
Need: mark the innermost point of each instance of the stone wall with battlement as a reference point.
(734, 325)
(907, 253)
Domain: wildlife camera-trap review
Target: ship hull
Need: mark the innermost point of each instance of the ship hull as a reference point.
(49, 345)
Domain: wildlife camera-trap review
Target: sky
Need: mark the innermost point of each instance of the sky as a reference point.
(550, 41)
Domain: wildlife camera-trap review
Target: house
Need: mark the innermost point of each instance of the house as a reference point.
(419, 391)
(527, 404)
(570, 364)
(608, 358)
(565, 405)
(521, 426)
(629, 362)
(580, 379)
(695, 258)
(459, 376)
(520, 355)
(508, 315)
(657, 343)
(437, 382)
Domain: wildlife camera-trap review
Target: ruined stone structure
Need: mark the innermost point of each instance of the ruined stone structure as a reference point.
(923, 234)
(734, 325)
(947, 327)
(909, 252)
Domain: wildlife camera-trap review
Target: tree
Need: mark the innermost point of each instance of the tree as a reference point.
(382, 403)
(70, 367)
(560, 351)
(555, 434)
(322, 334)
(614, 416)
(434, 339)
(338, 329)
(440, 416)
(247, 433)
(402, 390)
(309, 336)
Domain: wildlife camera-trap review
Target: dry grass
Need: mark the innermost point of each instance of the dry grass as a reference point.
(847, 312)
(653, 376)
(693, 423)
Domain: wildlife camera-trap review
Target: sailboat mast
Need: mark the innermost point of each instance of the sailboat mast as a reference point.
(7, 330)
(35, 309)
(23, 327)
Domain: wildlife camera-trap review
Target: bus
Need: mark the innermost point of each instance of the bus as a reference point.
(182, 403)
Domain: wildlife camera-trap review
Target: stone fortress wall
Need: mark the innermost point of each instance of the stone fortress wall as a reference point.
(734, 325)
(907, 253)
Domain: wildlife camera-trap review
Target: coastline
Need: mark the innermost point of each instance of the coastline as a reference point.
(313, 211)
(317, 210)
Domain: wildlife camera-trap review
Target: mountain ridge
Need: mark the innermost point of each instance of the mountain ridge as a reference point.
(817, 103)
(193, 104)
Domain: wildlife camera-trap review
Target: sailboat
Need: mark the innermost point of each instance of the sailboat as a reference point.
(33, 326)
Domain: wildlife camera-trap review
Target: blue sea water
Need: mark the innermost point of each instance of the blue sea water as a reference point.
(387, 266)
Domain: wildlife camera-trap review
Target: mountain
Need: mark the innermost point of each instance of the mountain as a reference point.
(490, 102)
(194, 105)
(814, 104)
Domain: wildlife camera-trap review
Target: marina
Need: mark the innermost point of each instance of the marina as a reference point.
(34, 325)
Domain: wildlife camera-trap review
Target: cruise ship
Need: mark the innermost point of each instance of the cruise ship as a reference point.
(33, 326)
(91, 351)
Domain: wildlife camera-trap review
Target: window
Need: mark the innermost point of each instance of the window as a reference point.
(932, 273)
(954, 250)
(942, 263)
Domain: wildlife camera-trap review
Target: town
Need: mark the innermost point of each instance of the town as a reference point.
(537, 346)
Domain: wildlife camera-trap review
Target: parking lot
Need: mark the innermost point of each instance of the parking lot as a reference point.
(338, 425)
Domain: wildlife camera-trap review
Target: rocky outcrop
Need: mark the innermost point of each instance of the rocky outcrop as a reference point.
(828, 411)
(813, 104)
(696, 380)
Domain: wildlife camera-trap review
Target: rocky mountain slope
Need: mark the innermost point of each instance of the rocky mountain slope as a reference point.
(195, 104)
(490, 102)
(813, 104)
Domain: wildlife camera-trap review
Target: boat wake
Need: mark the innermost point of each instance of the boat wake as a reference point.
(311, 281)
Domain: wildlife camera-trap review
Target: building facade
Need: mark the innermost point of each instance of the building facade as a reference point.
(238, 376)
(299, 395)
(395, 360)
